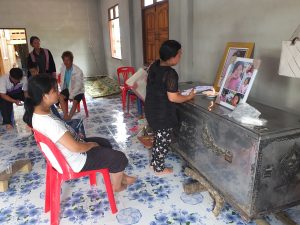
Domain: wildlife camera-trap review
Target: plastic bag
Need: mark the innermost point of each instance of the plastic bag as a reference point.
(246, 114)
(138, 83)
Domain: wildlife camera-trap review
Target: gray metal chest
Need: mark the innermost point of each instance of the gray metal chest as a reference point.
(256, 169)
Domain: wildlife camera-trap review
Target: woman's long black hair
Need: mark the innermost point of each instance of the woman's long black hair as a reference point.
(38, 86)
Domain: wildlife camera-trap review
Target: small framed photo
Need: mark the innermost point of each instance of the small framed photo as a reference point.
(233, 49)
(238, 81)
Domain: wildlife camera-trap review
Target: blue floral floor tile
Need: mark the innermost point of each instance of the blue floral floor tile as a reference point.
(151, 200)
(294, 213)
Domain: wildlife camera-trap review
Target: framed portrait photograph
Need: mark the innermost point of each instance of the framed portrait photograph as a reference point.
(233, 49)
(238, 81)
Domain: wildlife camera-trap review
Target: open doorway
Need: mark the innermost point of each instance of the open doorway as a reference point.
(13, 49)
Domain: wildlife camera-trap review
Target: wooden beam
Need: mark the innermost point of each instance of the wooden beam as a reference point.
(21, 165)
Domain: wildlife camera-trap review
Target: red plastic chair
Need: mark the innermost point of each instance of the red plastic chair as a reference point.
(84, 106)
(55, 178)
(83, 99)
(58, 78)
(125, 72)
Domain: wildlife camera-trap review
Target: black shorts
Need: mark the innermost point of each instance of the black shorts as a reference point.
(103, 156)
(66, 93)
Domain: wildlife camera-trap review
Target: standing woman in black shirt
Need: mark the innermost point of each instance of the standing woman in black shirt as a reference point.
(160, 105)
(41, 56)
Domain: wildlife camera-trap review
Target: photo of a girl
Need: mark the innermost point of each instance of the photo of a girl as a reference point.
(235, 77)
(238, 82)
(244, 86)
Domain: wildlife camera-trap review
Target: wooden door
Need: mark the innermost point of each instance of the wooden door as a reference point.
(149, 34)
(162, 25)
(156, 30)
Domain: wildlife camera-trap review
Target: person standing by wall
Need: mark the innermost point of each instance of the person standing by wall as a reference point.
(162, 95)
(41, 56)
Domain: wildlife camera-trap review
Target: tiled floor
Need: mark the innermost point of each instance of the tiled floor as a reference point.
(151, 200)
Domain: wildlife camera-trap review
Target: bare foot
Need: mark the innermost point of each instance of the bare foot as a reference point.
(128, 180)
(67, 117)
(121, 188)
(165, 171)
(9, 127)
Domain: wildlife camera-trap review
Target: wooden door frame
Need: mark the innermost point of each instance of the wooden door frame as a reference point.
(16, 28)
(143, 20)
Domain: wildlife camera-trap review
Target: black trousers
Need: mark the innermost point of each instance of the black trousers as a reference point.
(66, 93)
(103, 156)
(7, 107)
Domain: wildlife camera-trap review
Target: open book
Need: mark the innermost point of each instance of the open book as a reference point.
(197, 89)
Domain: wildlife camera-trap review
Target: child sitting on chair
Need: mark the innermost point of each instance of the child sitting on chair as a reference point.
(13, 89)
(82, 155)
(71, 85)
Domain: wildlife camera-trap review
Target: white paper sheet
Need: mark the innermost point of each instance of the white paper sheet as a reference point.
(198, 89)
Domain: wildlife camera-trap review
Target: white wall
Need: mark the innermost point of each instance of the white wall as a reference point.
(61, 25)
(181, 29)
(111, 63)
(131, 34)
(204, 27)
(137, 33)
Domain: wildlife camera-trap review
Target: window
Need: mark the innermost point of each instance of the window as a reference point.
(146, 3)
(114, 32)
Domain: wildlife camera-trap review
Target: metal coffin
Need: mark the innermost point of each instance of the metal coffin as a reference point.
(256, 169)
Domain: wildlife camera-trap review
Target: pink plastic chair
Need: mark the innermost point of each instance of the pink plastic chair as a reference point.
(55, 178)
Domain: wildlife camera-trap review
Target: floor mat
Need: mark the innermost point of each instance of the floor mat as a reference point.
(100, 86)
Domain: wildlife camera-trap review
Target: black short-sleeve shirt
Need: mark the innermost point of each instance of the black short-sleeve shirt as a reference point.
(160, 112)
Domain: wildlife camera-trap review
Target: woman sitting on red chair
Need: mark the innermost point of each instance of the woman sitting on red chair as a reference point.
(71, 85)
(82, 155)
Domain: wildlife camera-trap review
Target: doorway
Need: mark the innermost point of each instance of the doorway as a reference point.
(13, 49)
(155, 14)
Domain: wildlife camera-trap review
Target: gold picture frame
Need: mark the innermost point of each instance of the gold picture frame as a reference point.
(238, 49)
